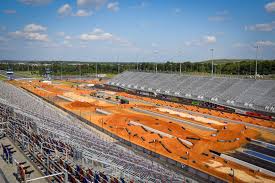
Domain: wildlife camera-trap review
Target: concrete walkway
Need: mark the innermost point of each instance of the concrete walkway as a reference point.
(9, 170)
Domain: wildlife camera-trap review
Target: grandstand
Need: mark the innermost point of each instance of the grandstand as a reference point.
(20, 107)
(164, 140)
(249, 94)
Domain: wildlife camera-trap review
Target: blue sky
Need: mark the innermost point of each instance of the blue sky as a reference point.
(136, 30)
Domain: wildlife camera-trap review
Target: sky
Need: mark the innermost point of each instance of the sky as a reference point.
(136, 30)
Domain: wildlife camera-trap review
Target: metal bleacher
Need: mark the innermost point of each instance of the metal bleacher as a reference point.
(236, 92)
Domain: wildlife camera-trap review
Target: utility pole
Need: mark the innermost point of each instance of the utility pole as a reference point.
(156, 67)
(180, 68)
(212, 70)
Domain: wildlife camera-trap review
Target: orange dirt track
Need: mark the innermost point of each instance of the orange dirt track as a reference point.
(178, 141)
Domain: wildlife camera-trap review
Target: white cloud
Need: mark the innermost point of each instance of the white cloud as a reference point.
(62, 34)
(31, 32)
(240, 45)
(155, 51)
(209, 39)
(100, 35)
(66, 43)
(217, 18)
(68, 37)
(64, 10)
(90, 4)
(98, 31)
(35, 2)
(34, 28)
(97, 35)
(9, 11)
(83, 13)
(270, 7)
(114, 6)
(266, 27)
(34, 36)
(143, 4)
(265, 43)
(194, 43)
(220, 16)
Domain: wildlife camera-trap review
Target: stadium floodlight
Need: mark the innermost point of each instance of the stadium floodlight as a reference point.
(256, 66)
(182, 53)
(80, 71)
(96, 69)
(61, 72)
(212, 70)
(137, 62)
(118, 69)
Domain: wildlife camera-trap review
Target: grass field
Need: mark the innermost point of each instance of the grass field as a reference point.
(2, 78)
(110, 75)
(27, 74)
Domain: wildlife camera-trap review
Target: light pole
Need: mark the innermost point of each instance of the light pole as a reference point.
(137, 62)
(80, 70)
(61, 71)
(180, 53)
(256, 67)
(96, 69)
(118, 64)
(212, 70)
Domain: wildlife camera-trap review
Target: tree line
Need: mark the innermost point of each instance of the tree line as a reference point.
(223, 67)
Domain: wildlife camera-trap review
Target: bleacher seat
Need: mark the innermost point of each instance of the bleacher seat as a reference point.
(250, 93)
